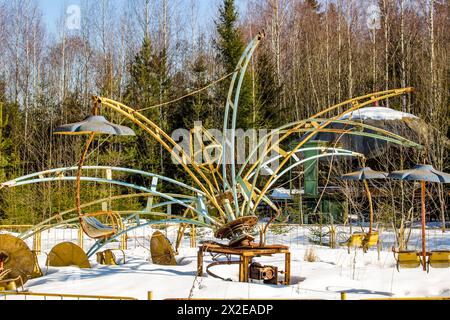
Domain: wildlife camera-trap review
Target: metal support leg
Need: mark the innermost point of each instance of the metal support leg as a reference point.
(245, 263)
(287, 269)
(81, 237)
(241, 269)
(200, 263)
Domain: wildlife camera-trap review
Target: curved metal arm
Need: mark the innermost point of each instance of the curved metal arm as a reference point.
(332, 153)
(355, 103)
(58, 171)
(170, 145)
(124, 184)
(242, 66)
(99, 244)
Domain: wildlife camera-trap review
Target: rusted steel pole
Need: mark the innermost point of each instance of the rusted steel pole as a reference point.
(78, 180)
(424, 251)
(369, 196)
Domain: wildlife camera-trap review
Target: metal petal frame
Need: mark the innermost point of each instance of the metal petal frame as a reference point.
(206, 192)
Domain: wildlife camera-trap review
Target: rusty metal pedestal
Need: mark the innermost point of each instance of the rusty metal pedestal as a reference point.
(246, 254)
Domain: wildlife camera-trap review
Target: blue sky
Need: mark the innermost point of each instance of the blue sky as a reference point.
(52, 9)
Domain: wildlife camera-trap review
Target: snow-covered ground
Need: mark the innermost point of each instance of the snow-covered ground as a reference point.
(360, 275)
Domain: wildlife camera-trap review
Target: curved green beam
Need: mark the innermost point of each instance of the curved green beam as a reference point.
(395, 137)
(343, 151)
(234, 123)
(333, 153)
(384, 135)
(325, 155)
(355, 104)
(99, 244)
(59, 216)
(242, 65)
(29, 233)
(123, 184)
(391, 137)
(114, 169)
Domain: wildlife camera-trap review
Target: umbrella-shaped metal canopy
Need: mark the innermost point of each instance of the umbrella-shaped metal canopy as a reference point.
(92, 125)
(401, 123)
(365, 174)
(422, 173)
(96, 125)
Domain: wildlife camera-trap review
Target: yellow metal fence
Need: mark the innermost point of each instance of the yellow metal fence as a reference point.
(53, 296)
(289, 234)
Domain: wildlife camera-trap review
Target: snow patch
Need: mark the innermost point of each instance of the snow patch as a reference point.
(361, 275)
(377, 113)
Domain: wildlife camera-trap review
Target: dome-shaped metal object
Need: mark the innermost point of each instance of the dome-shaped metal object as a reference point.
(161, 250)
(421, 172)
(68, 254)
(365, 173)
(94, 124)
(18, 258)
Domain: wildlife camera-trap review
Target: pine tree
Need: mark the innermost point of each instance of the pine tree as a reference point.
(267, 113)
(8, 157)
(143, 88)
(144, 91)
(230, 46)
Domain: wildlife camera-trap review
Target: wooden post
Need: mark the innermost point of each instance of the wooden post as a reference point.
(241, 269)
(193, 236)
(333, 237)
(200, 262)
(123, 242)
(37, 242)
(287, 269)
(379, 243)
(81, 237)
(245, 263)
(343, 295)
(150, 295)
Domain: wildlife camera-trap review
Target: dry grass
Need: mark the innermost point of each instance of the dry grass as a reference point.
(310, 255)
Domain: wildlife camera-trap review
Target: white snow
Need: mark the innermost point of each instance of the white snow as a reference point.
(361, 275)
(377, 113)
(283, 193)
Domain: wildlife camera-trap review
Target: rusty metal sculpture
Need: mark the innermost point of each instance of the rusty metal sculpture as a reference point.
(225, 200)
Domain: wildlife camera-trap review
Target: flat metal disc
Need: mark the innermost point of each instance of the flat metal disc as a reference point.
(246, 222)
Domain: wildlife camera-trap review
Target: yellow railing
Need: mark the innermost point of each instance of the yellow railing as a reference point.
(46, 296)
(411, 298)
(18, 227)
(150, 296)
(37, 237)
(281, 299)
